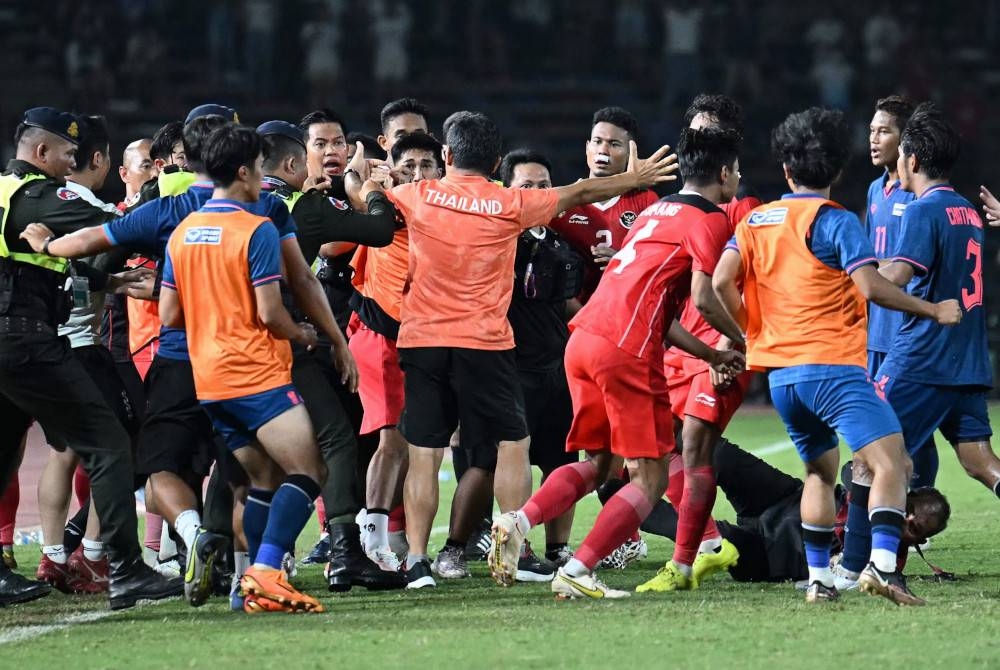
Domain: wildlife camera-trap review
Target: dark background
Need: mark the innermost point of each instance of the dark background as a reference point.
(539, 67)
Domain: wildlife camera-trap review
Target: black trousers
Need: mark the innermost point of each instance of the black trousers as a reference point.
(41, 379)
(318, 382)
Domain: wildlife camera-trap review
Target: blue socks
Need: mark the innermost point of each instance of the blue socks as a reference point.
(255, 513)
(858, 533)
(291, 508)
(817, 541)
(887, 526)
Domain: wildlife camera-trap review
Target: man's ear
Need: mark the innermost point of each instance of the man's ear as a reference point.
(159, 163)
(42, 151)
(383, 142)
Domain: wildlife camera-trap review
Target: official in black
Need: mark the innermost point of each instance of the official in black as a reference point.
(39, 377)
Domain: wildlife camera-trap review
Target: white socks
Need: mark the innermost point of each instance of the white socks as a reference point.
(187, 524)
(93, 550)
(710, 546)
(377, 527)
(822, 575)
(55, 553)
(524, 525)
(884, 560)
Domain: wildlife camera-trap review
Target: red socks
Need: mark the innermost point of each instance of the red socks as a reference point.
(695, 511)
(561, 490)
(81, 484)
(397, 519)
(9, 501)
(619, 519)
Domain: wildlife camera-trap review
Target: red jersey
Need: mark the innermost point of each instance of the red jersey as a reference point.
(606, 223)
(691, 318)
(646, 282)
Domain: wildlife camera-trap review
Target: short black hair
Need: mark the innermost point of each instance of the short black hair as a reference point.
(372, 148)
(196, 134)
(420, 142)
(701, 154)
(932, 503)
(276, 148)
(519, 157)
(899, 107)
(322, 115)
(814, 145)
(400, 107)
(227, 149)
(617, 116)
(474, 141)
(94, 137)
(165, 139)
(933, 140)
(726, 111)
(24, 130)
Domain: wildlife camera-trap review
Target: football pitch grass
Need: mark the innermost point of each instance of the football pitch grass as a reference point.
(474, 623)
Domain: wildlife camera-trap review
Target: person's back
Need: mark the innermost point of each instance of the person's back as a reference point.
(947, 252)
(803, 307)
(646, 283)
(212, 268)
(463, 231)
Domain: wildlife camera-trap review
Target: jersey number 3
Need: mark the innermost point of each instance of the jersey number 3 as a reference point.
(628, 253)
(974, 298)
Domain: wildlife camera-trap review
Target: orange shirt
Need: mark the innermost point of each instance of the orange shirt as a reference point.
(463, 239)
(215, 258)
(800, 311)
(143, 318)
(380, 273)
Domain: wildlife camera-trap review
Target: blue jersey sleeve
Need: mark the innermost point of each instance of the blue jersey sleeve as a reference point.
(275, 209)
(138, 230)
(168, 272)
(265, 255)
(839, 241)
(733, 244)
(917, 240)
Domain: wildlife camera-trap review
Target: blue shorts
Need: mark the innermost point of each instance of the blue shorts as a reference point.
(815, 411)
(238, 419)
(959, 411)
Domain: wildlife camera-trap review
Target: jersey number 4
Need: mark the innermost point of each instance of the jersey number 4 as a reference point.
(974, 298)
(627, 255)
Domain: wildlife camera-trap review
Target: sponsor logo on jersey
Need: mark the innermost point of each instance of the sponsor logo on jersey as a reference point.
(579, 219)
(339, 204)
(705, 399)
(64, 193)
(627, 219)
(771, 217)
(203, 235)
(897, 208)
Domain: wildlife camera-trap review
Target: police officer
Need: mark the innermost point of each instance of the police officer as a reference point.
(322, 219)
(39, 377)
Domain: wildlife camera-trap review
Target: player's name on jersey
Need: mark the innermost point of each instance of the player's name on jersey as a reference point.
(462, 203)
(963, 216)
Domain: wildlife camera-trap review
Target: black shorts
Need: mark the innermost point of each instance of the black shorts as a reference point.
(549, 411)
(177, 435)
(445, 385)
(101, 367)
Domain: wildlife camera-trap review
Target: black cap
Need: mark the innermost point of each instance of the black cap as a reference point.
(212, 110)
(63, 124)
(283, 128)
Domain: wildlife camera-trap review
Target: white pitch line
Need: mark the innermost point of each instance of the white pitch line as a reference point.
(23, 633)
(773, 448)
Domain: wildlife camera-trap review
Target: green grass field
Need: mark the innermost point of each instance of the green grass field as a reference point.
(473, 623)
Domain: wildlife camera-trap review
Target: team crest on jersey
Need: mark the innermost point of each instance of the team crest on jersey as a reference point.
(627, 219)
(579, 219)
(771, 217)
(203, 235)
(64, 193)
(339, 204)
(897, 208)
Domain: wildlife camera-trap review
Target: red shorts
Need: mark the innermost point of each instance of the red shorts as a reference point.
(380, 380)
(619, 401)
(692, 393)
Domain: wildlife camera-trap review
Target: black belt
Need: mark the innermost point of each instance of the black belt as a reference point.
(24, 325)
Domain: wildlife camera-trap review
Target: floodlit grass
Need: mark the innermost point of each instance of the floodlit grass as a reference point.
(473, 623)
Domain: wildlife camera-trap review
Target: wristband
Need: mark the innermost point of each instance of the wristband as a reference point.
(352, 171)
(45, 245)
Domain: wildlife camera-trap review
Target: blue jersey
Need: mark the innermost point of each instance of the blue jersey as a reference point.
(147, 229)
(942, 239)
(883, 217)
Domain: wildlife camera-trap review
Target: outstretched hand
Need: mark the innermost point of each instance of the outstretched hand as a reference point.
(656, 169)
